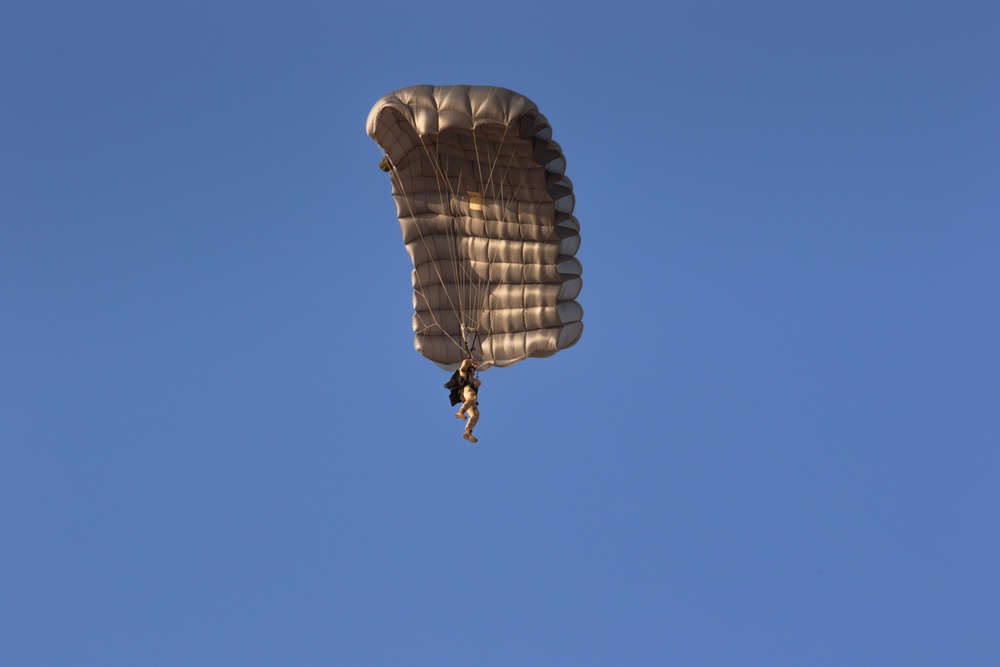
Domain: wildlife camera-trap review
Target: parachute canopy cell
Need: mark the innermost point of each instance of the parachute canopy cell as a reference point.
(486, 212)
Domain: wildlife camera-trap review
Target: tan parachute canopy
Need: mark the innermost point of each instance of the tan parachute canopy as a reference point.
(487, 218)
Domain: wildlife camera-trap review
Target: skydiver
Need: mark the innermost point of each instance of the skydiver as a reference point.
(466, 386)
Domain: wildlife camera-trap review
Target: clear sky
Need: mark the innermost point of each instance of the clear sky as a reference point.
(777, 442)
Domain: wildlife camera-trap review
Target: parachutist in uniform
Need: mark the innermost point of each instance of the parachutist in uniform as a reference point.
(465, 389)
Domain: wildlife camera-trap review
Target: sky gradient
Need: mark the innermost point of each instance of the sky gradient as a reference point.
(775, 444)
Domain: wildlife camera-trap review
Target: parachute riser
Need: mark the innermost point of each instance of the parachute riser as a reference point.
(470, 338)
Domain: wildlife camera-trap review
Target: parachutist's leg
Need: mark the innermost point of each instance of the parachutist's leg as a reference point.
(473, 418)
(471, 400)
(471, 406)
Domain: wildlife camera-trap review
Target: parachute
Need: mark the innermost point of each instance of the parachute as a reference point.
(486, 212)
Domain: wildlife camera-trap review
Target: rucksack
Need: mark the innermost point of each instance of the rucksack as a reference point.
(455, 385)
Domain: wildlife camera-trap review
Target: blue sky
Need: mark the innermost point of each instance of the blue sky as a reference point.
(775, 444)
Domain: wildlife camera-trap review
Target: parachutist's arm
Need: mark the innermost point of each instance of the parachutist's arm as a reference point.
(466, 371)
